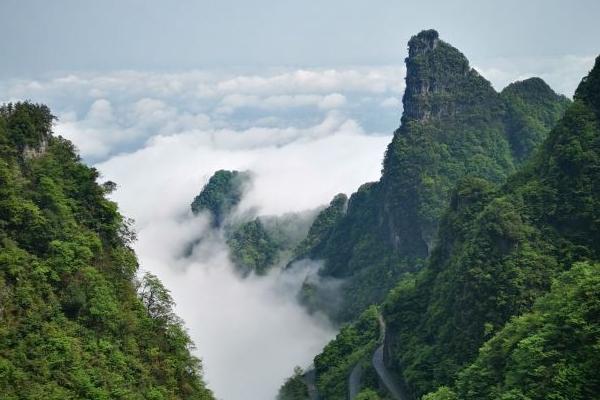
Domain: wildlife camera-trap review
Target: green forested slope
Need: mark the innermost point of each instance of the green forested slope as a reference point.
(499, 250)
(355, 343)
(551, 352)
(74, 321)
(252, 248)
(454, 124)
(532, 110)
(256, 243)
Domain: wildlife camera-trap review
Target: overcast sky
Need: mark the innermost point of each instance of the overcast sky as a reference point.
(41, 36)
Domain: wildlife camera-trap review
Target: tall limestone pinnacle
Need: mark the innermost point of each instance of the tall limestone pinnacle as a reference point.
(433, 69)
(505, 305)
(454, 124)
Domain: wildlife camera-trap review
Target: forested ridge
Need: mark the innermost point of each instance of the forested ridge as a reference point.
(501, 297)
(500, 251)
(454, 124)
(75, 320)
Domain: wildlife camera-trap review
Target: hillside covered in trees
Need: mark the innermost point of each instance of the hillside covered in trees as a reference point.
(75, 322)
(495, 199)
(500, 249)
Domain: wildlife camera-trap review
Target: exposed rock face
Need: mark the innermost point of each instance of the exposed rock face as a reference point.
(500, 249)
(434, 72)
(30, 152)
(423, 42)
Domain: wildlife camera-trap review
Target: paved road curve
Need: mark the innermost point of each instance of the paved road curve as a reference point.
(386, 377)
(354, 380)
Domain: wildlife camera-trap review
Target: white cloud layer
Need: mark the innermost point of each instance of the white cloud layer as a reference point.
(106, 114)
(250, 333)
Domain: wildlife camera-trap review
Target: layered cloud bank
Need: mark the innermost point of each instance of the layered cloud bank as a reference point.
(118, 112)
(252, 332)
(109, 113)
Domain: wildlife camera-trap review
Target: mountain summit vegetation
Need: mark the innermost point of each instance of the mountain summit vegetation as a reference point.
(221, 194)
(75, 321)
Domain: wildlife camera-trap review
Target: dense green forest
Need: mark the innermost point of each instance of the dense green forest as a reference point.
(502, 297)
(550, 352)
(500, 248)
(355, 343)
(252, 248)
(75, 322)
(454, 124)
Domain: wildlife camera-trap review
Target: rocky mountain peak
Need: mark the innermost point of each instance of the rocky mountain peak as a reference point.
(437, 77)
(423, 42)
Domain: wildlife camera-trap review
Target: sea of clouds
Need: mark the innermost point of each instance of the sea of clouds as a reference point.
(305, 134)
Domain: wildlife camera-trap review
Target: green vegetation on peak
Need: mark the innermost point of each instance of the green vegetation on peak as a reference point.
(28, 125)
(440, 82)
(422, 42)
(75, 323)
(533, 108)
(221, 194)
(589, 89)
(252, 248)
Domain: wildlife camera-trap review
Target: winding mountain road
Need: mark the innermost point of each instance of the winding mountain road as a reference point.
(385, 376)
(354, 380)
(387, 379)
